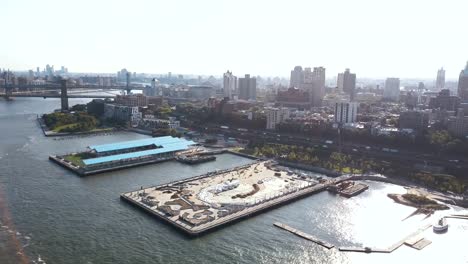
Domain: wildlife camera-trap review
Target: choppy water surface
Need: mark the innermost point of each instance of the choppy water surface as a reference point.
(49, 215)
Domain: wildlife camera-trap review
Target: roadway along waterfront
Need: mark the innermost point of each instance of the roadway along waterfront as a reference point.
(403, 155)
(47, 211)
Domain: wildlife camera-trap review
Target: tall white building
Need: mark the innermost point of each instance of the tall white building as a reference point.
(275, 116)
(340, 82)
(345, 112)
(229, 84)
(392, 89)
(440, 81)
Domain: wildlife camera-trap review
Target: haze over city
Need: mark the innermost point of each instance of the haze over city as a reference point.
(215, 131)
(376, 39)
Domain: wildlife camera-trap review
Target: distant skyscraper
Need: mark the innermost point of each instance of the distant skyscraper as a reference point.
(421, 87)
(50, 70)
(297, 77)
(122, 75)
(229, 84)
(445, 101)
(312, 82)
(347, 83)
(345, 112)
(319, 85)
(392, 89)
(248, 88)
(153, 90)
(440, 81)
(463, 84)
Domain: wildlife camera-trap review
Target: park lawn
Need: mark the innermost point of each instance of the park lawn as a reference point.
(102, 129)
(75, 160)
(58, 128)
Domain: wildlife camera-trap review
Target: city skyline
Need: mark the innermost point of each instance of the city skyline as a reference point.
(145, 37)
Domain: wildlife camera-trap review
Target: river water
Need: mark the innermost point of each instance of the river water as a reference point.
(49, 215)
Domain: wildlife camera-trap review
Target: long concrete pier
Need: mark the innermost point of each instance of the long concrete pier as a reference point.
(304, 235)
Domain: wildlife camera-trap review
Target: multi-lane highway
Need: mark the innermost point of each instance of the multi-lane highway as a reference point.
(405, 156)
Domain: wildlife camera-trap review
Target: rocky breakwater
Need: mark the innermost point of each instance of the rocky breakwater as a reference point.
(421, 202)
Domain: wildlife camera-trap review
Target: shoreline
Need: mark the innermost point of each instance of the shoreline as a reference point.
(448, 198)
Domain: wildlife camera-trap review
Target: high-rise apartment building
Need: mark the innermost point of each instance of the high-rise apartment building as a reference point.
(463, 84)
(392, 89)
(458, 125)
(445, 101)
(416, 120)
(347, 83)
(275, 116)
(297, 77)
(345, 112)
(440, 81)
(229, 84)
(319, 86)
(248, 88)
(312, 82)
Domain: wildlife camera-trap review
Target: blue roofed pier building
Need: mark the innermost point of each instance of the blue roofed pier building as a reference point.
(120, 155)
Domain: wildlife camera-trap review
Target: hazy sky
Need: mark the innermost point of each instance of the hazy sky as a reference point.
(375, 38)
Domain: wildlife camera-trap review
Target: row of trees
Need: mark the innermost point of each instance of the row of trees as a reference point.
(306, 155)
(440, 182)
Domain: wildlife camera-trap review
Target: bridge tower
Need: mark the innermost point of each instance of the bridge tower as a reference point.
(63, 94)
(128, 89)
(8, 92)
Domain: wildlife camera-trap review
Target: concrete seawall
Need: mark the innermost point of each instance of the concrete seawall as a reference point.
(85, 172)
(247, 211)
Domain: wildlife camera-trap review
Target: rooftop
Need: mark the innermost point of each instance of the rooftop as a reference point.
(158, 141)
(166, 144)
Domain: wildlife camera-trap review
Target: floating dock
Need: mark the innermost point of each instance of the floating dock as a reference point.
(195, 159)
(348, 189)
(391, 248)
(418, 244)
(354, 190)
(304, 235)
